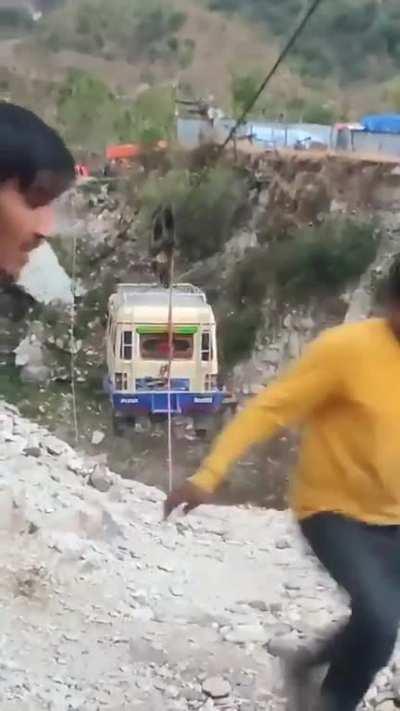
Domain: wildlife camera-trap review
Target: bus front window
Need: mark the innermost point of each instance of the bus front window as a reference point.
(156, 347)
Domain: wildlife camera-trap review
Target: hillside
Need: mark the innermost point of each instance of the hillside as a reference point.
(109, 608)
(182, 43)
(202, 48)
(351, 41)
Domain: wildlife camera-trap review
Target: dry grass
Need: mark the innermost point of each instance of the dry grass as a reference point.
(223, 46)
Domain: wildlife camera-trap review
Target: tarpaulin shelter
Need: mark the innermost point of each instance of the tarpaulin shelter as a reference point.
(381, 123)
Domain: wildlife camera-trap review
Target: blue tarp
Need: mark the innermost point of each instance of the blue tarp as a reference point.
(381, 123)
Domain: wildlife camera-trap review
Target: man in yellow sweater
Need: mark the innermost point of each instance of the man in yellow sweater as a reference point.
(344, 393)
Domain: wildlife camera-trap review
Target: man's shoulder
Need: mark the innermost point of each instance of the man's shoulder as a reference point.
(349, 335)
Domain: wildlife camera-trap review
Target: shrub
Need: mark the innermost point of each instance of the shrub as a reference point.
(16, 19)
(206, 214)
(87, 110)
(249, 281)
(129, 29)
(243, 89)
(313, 261)
(318, 113)
(237, 335)
(323, 259)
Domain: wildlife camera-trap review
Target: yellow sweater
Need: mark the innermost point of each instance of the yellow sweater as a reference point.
(345, 394)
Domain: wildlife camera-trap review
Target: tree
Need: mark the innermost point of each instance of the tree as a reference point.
(243, 88)
(87, 110)
(149, 119)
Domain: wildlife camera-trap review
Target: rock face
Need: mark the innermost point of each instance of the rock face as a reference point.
(45, 279)
(110, 608)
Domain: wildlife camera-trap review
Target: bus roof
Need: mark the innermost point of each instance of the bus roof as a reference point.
(140, 303)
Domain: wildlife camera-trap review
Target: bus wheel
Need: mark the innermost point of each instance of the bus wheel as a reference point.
(204, 425)
(121, 425)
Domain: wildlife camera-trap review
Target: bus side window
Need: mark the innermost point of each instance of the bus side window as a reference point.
(206, 349)
(126, 348)
(113, 336)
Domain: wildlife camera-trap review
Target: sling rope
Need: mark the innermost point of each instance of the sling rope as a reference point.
(283, 54)
(75, 423)
(169, 371)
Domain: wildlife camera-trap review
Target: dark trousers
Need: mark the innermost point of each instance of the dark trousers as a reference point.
(365, 561)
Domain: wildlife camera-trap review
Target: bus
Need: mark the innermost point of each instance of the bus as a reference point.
(137, 344)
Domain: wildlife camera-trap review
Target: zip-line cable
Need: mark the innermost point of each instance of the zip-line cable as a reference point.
(282, 56)
(220, 149)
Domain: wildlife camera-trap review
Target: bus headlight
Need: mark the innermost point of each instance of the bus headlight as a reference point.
(211, 382)
(121, 381)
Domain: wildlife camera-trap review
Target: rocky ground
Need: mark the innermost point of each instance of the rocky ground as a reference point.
(107, 607)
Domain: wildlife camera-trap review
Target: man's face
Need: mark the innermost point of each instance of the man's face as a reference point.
(25, 220)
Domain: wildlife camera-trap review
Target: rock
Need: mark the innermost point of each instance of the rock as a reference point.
(32, 452)
(258, 605)
(242, 634)
(142, 614)
(161, 616)
(54, 446)
(35, 374)
(101, 479)
(29, 352)
(44, 278)
(97, 437)
(216, 687)
(271, 355)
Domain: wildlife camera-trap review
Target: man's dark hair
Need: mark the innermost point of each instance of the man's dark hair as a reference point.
(31, 151)
(393, 280)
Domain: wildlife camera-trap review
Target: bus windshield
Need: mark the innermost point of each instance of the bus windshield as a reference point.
(156, 347)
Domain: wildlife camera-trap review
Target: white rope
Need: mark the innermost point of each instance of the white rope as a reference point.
(169, 374)
(73, 342)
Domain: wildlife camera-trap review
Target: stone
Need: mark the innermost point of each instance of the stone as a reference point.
(97, 437)
(242, 634)
(142, 614)
(271, 355)
(101, 479)
(32, 452)
(161, 614)
(216, 687)
(29, 352)
(35, 374)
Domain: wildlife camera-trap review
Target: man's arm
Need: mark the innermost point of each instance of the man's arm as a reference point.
(289, 401)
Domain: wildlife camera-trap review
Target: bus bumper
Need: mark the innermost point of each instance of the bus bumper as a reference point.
(157, 403)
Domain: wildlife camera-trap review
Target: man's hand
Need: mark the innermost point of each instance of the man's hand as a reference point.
(188, 494)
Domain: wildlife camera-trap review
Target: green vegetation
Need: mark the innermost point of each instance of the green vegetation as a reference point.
(237, 335)
(323, 259)
(91, 116)
(347, 40)
(243, 89)
(128, 29)
(15, 19)
(313, 261)
(205, 216)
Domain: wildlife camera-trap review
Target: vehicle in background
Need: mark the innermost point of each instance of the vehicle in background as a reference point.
(82, 170)
(120, 158)
(374, 135)
(138, 356)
